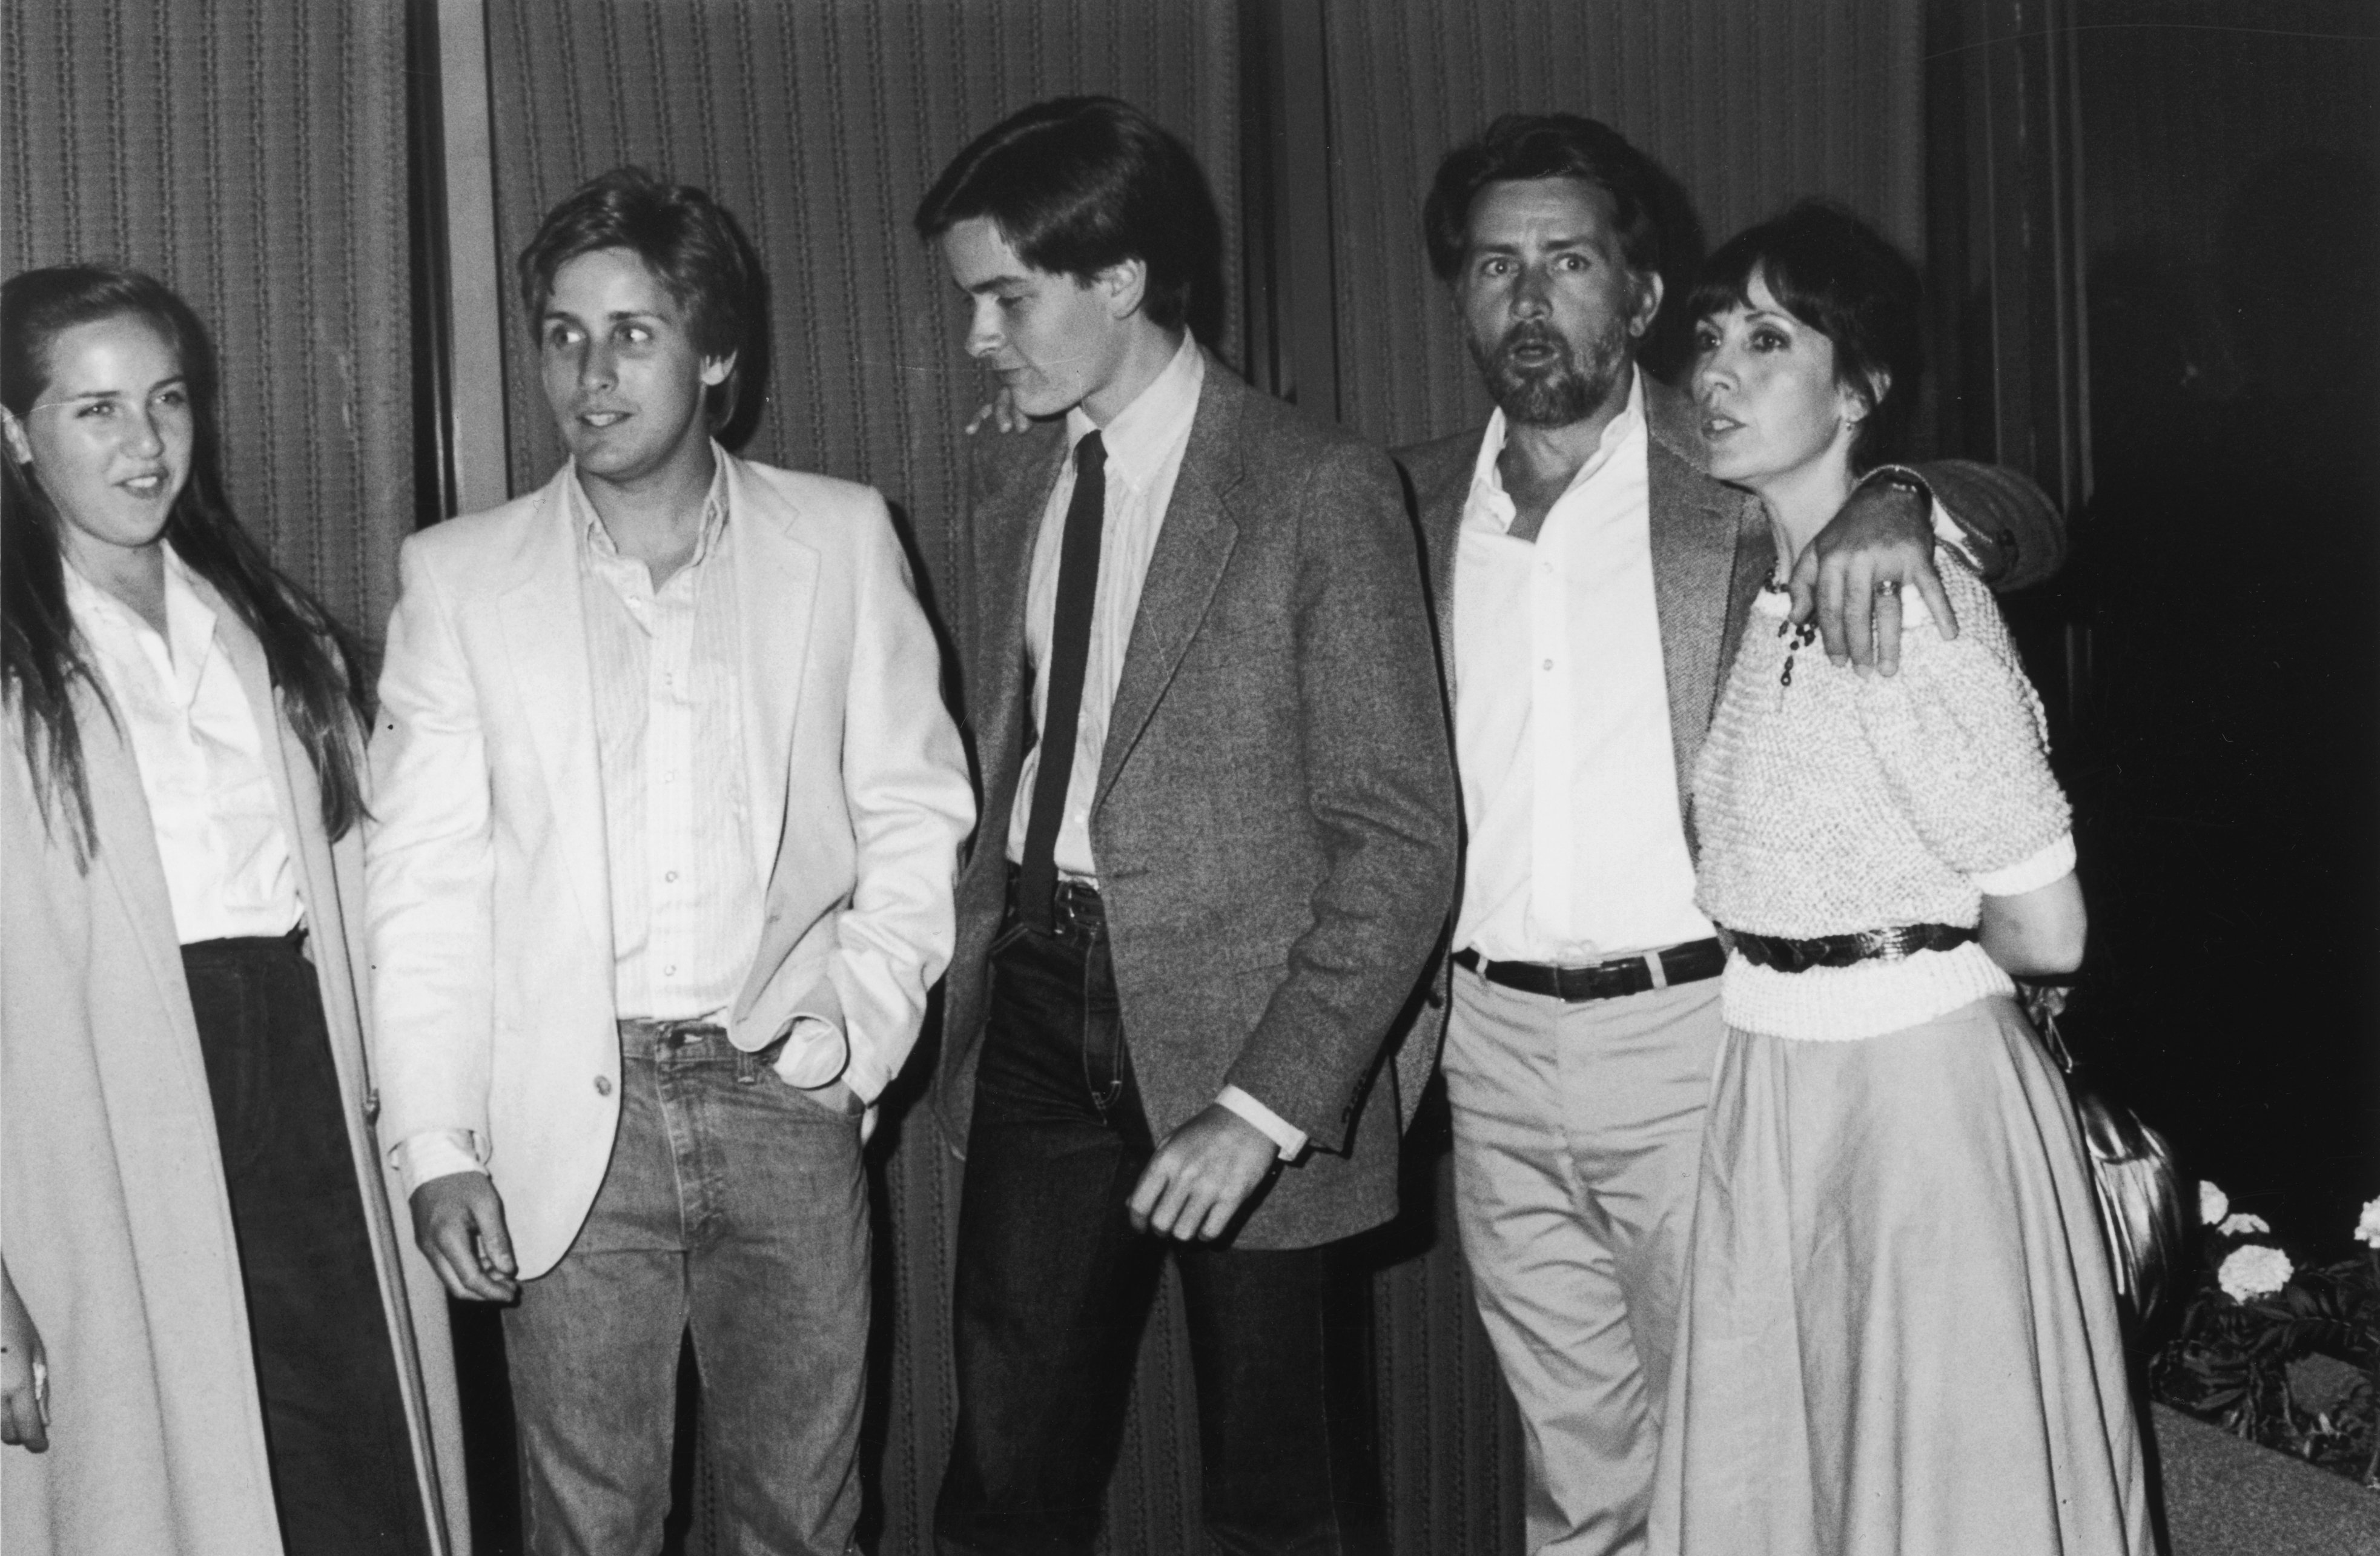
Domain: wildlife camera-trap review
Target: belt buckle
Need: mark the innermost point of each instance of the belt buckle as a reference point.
(1071, 917)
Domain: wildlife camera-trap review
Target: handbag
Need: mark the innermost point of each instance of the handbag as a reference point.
(2142, 1213)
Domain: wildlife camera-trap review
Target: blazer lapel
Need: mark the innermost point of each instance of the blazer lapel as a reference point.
(1192, 547)
(776, 585)
(1441, 491)
(1710, 552)
(544, 626)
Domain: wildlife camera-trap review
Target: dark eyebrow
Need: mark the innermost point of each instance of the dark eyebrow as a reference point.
(1577, 240)
(180, 378)
(994, 284)
(552, 314)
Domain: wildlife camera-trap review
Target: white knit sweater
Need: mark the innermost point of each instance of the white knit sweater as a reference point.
(1828, 802)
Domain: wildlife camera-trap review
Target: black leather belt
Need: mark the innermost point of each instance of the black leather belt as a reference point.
(1894, 944)
(1690, 963)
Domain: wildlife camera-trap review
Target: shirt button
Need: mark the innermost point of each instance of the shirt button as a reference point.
(671, 876)
(603, 1086)
(1548, 664)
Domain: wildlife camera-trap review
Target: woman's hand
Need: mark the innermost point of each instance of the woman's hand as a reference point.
(1001, 414)
(24, 1373)
(2039, 933)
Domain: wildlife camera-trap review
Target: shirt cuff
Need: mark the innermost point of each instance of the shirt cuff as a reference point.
(815, 1053)
(2053, 863)
(434, 1153)
(1279, 1130)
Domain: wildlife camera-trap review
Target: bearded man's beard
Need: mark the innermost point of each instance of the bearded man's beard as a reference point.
(1562, 391)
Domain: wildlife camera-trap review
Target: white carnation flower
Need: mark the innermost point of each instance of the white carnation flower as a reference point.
(2242, 1224)
(2213, 1204)
(2367, 1231)
(2253, 1269)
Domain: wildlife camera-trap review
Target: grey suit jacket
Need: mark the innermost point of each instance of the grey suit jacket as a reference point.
(1276, 816)
(1712, 547)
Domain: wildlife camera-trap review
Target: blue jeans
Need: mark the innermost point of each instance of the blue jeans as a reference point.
(735, 1207)
(1053, 1286)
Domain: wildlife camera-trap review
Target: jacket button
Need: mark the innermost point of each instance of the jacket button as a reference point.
(603, 1086)
(371, 1105)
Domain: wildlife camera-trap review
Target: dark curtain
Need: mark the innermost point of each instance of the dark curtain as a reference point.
(1748, 103)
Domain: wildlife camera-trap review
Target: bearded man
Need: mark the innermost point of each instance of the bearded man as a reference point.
(1590, 584)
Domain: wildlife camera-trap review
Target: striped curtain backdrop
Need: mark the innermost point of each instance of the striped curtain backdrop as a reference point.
(1748, 102)
(820, 124)
(250, 154)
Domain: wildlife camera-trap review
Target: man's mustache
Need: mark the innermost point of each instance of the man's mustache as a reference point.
(1532, 333)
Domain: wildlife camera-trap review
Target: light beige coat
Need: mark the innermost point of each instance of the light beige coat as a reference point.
(113, 1219)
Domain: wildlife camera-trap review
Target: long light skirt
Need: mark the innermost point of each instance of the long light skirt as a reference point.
(1899, 1335)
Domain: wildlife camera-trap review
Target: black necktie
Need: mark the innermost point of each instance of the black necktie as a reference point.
(1070, 652)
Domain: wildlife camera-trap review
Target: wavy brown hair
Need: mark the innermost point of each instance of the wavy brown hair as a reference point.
(317, 665)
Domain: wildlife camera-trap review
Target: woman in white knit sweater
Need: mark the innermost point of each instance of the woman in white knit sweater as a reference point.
(1900, 1332)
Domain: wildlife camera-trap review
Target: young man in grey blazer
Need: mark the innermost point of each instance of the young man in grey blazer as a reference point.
(1590, 584)
(1217, 846)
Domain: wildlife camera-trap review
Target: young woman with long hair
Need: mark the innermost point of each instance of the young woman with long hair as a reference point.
(213, 1339)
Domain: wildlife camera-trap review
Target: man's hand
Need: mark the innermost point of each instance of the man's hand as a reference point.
(459, 1222)
(1201, 1175)
(1001, 414)
(1853, 572)
(24, 1374)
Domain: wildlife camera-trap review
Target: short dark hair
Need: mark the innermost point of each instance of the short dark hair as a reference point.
(1078, 184)
(691, 244)
(1842, 278)
(1520, 147)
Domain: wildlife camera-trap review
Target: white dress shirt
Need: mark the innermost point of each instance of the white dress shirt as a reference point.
(677, 828)
(1144, 444)
(1576, 850)
(228, 869)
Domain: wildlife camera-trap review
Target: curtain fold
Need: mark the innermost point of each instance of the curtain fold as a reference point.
(250, 154)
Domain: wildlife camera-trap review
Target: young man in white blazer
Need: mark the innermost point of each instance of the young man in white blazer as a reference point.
(666, 807)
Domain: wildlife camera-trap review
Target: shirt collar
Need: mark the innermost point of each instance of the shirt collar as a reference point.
(1485, 477)
(1146, 432)
(190, 620)
(589, 524)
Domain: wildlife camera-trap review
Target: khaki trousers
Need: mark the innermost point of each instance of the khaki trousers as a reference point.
(1577, 1146)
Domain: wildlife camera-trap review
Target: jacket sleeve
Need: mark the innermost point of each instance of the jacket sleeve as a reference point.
(911, 805)
(2015, 532)
(429, 874)
(1380, 785)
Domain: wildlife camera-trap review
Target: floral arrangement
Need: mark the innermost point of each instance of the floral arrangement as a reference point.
(2251, 1339)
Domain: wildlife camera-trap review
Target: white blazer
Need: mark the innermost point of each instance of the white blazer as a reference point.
(487, 887)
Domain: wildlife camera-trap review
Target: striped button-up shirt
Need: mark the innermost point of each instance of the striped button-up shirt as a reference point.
(685, 898)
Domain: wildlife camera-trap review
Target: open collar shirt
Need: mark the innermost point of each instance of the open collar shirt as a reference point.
(687, 902)
(194, 736)
(1576, 850)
